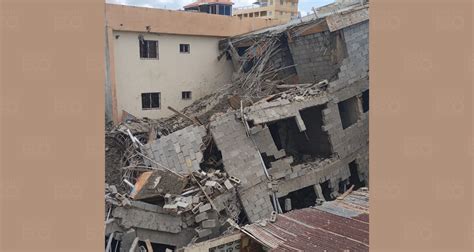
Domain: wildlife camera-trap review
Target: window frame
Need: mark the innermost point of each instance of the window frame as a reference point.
(150, 97)
(147, 52)
(183, 96)
(185, 52)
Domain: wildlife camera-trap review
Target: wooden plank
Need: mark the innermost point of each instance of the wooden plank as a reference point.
(149, 248)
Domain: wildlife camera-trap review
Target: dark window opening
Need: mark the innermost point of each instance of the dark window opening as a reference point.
(348, 111)
(242, 219)
(354, 179)
(326, 190)
(114, 245)
(204, 8)
(365, 101)
(302, 198)
(184, 48)
(251, 124)
(148, 49)
(212, 158)
(343, 186)
(186, 95)
(307, 146)
(151, 100)
(268, 160)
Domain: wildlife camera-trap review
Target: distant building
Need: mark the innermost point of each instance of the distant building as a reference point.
(157, 58)
(219, 7)
(283, 10)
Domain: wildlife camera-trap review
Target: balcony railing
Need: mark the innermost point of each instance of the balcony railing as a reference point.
(264, 4)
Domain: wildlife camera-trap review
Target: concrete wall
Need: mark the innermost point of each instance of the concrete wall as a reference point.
(244, 163)
(317, 55)
(342, 54)
(199, 71)
(356, 65)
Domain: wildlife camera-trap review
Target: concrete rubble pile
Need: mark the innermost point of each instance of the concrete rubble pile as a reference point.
(166, 202)
(290, 132)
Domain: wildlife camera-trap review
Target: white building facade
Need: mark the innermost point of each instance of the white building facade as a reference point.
(173, 70)
(158, 58)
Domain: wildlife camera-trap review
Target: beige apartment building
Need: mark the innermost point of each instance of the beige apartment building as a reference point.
(283, 10)
(157, 58)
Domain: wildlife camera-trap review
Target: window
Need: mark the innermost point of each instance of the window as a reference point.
(354, 179)
(281, 2)
(184, 48)
(186, 95)
(349, 111)
(151, 100)
(269, 13)
(148, 49)
(271, 2)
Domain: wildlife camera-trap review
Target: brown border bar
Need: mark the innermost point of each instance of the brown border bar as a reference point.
(420, 125)
(52, 125)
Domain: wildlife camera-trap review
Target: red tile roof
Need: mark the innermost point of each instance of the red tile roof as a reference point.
(200, 2)
(341, 225)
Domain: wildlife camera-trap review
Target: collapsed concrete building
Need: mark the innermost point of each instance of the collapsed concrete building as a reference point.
(314, 143)
(289, 132)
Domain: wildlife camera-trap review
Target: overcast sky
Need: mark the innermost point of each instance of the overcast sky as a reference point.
(304, 5)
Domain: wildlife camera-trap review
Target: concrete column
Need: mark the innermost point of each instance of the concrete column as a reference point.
(287, 204)
(319, 192)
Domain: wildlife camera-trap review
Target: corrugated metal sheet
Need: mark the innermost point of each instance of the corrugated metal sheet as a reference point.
(340, 225)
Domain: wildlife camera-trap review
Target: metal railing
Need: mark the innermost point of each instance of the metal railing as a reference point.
(264, 4)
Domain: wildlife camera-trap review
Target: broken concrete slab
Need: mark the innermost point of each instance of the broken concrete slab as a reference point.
(205, 207)
(158, 183)
(200, 217)
(147, 220)
(203, 232)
